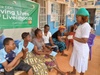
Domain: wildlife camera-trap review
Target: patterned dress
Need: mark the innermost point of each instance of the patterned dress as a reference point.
(37, 63)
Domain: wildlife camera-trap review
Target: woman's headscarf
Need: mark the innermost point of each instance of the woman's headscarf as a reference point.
(83, 12)
(62, 27)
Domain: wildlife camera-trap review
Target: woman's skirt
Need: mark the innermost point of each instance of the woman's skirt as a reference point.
(61, 45)
(37, 63)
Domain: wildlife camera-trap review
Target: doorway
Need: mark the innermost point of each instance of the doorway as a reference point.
(92, 17)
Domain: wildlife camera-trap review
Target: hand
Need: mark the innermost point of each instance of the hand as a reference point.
(25, 50)
(8, 69)
(49, 47)
(48, 53)
(74, 38)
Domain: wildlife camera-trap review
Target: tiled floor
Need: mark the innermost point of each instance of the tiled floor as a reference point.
(94, 64)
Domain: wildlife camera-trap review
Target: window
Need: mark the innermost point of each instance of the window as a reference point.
(62, 14)
(42, 14)
(61, 19)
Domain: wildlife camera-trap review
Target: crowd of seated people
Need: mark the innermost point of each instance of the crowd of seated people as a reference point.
(35, 56)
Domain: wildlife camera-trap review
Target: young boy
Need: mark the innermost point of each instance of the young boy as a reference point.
(10, 58)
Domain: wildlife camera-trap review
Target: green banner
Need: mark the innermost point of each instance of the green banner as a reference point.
(18, 14)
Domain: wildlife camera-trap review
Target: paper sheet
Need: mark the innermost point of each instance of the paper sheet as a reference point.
(70, 37)
(53, 53)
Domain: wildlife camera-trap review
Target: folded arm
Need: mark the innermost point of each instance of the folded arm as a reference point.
(13, 63)
(39, 52)
(81, 40)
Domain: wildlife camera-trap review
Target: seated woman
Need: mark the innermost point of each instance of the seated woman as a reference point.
(27, 47)
(58, 39)
(47, 36)
(44, 52)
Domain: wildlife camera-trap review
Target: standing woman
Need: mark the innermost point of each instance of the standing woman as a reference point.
(80, 54)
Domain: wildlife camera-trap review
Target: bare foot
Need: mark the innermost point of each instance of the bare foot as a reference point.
(72, 73)
(64, 55)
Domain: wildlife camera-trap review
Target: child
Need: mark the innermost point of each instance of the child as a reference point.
(69, 40)
(75, 27)
(10, 58)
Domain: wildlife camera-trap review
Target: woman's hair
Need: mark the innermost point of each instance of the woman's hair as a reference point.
(37, 31)
(46, 26)
(25, 34)
(84, 19)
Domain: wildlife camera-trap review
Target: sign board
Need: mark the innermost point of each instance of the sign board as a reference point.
(18, 14)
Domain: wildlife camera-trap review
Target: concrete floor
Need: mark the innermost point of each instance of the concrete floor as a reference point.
(94, 64)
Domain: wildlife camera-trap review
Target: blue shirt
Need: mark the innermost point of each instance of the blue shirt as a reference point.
(1, 41)
(4, 56)
(10, 56)
(30, 46)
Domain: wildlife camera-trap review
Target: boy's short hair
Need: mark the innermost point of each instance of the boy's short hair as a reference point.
(6, 41)
(46, 26)
(25, 34)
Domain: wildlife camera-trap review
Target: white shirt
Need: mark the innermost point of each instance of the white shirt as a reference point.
(46, 38)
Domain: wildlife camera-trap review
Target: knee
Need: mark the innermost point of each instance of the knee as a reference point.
(62, 44)
(31, 69)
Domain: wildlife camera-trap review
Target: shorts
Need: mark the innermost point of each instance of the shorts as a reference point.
(22, 66)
